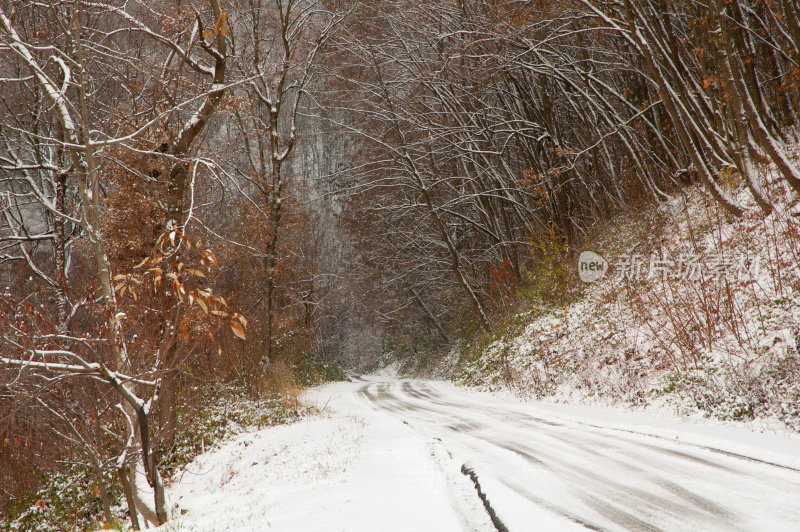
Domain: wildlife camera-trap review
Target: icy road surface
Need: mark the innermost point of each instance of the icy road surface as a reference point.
(387, 454)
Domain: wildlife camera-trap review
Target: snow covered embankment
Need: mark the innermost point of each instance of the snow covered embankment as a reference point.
(718, 345)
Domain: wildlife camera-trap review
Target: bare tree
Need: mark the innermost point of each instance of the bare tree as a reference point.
(279, 44)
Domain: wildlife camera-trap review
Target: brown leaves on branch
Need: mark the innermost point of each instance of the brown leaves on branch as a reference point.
(182, 280)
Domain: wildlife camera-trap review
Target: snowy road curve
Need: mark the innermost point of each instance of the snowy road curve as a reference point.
(387, 455)
(544, 471)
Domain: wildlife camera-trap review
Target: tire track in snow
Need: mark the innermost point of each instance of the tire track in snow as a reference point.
(641, 483)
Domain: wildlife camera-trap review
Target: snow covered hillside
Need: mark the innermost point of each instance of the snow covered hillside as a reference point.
(696, 313)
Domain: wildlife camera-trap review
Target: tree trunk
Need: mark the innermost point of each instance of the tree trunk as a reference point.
(743, 140)
(455, 261)
(123, 474)
(431, 315)
(677, 119)
(787, 168)
(60, 253)
(275, 209)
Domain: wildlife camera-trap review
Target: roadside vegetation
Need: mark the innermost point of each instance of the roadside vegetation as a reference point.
(724, 346)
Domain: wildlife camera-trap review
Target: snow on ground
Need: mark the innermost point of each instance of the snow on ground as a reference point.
(388, 371)
(386, 454)
(349, 468)
(772, 443)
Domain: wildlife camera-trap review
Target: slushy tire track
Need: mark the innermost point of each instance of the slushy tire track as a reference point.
(591, 476)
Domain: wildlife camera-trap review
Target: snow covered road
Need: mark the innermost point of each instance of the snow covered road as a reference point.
(546, 469)
(387, 455)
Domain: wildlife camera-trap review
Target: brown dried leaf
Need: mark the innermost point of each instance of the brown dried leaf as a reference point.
(238, 330)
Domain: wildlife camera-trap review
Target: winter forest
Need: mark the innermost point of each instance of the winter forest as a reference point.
(202, 199)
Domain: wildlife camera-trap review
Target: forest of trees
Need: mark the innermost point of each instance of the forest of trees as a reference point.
(196, 192)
